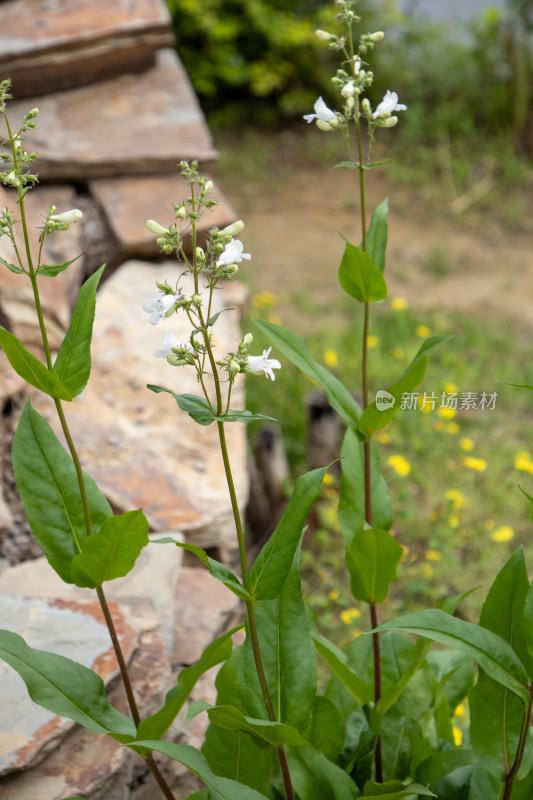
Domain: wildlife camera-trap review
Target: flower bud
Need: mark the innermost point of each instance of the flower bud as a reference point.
(348, 89)
(366, 108)
(324, 36)
(196, 300)
(208, 187)
(161, 241)
(175, 360)
(155, 227)
(200, 255)
(376, 37)
(234, 229)
(67, 216)
(247, 339)
(234, 367)
(33, 113)
(323, 125)
(181, 212)
(390, 122)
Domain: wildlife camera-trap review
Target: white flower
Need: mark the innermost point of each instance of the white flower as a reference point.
(259, 364)
(170, 341)
(322, 113)
(67, 216)
(232, 254)
(159, 305)
(234, 229)
(348, 90)
(388, 105)
(155, 227)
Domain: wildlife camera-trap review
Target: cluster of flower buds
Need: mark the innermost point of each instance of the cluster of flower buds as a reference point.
(241, 361)
(59, 222)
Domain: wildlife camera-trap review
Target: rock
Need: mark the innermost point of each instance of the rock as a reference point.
(54, 45)
(143, 451)
(17, 303)
(129, 202)
(132, 125)
(6, 518)
(66, 627)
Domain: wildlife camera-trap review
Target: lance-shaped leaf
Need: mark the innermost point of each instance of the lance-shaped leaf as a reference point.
(219, 788)
(360, 277)
(337, 661)
(73, 363)
(352, 488)
(288, 656)
(216, 569)
(112, 552)
(314, 776)
(198, 408)
(30, 368)
(265, 732)
(65, 687)
(295, 349)
(373, 419)
(13, 267)
(492, 653)
(51, 270)
(376, 240)
(48, 487)
(372, 558)
(218, 651)
(395, 790)
(274, 562)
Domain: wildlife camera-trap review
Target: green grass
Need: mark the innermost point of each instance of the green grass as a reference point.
(446, 513)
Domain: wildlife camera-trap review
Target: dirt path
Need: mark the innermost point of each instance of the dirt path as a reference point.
(291, 231)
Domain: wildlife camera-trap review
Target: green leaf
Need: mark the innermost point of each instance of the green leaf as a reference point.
(48, 487)
(273, 734)
(30, 368)
(492, 653)
(220, 650)
(352, 488)
(326, 731)
(373, 419)
(372, 558)
(401, 660)
(296, 350)
(530, 498)
(338, 662)
(196, 407)
(64, 687)
(314, 776)
(216, 569)
(243, 416)
(233, 754)
(347, 164)
(439, 765)
(220, 788)
(376, 240)
(288, 656)
(274, 562)
(51, 270)
(112, 552)
(394, 790)
(12, 267)
(360, 277)
(453, 671)
(73, 363)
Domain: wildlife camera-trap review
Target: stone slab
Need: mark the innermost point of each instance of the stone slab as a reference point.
(129, 202)
(141, 449)
(17, 304)
(66, 627)
(132, 125)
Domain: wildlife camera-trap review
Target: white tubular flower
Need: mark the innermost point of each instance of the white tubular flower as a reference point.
(388, 105)
(169, 342)
(234, 229)
(232, 254)
(324, 36)
(322, 114)
(348, 90)
(356, 65)
(158, 306)
(258, 364)
(67, 216)
(155, 227)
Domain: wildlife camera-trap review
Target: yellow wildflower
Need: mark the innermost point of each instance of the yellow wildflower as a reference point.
(446, 413)
(450, 388)
(460, 711)
(398, 353)
(264, 299)
(328, 479)
(434, 555)
(503, 534)
(333, 595)
(466, 444)
(331, 358)
(457, 736)
(383, 437)
(477, 464)
(452, 428)
(399, 464)
(522, 460)
(456, 497)
(422, 331)
(453, 520)
(349, 615)
(398, 303)
(372, 341)
(427, 570)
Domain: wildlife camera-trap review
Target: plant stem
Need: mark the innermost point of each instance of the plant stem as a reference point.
(513, 772)
(366, 455)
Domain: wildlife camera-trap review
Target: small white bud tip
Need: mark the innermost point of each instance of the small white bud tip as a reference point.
(234, 229)
(324, 36)
(155, 227)
(247, 339)
(376, 37)
(67, 216)
(208, 186)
